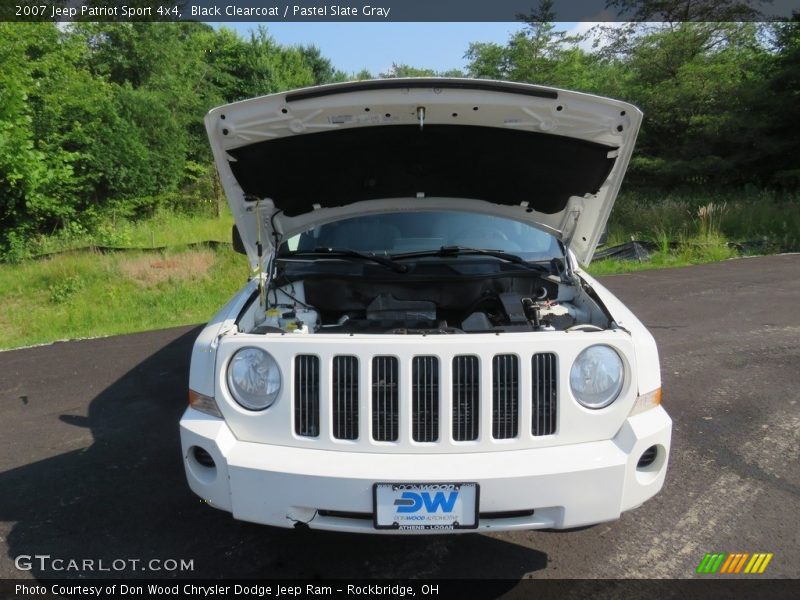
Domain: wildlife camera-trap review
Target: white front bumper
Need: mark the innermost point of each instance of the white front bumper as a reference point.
(564, 486)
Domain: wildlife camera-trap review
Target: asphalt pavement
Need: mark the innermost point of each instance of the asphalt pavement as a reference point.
(90, 460)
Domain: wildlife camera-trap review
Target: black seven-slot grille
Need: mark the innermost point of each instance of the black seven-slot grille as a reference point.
(505, 396)
(345, 397)
(385, 411)
(544, 393)
(425, 398)
(386, 388)
(306, 395)
(466, 396)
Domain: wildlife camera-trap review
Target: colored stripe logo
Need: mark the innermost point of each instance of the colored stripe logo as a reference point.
(734, 563)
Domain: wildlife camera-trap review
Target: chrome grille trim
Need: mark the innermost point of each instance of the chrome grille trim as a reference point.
(306, 395)
(425, 398)
(466, 398)
(344, 397)
(544, 393)
(385, 398)
(505, 396)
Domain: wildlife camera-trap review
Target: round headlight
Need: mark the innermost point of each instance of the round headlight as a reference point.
(596, 376)
(254, 378)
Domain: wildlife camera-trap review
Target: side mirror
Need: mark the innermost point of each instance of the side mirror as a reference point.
(236, 239)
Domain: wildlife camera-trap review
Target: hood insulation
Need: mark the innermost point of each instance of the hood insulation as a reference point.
(503, 166)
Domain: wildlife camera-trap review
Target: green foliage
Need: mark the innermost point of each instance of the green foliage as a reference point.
(362, 75)
(34, 183)
(538, 54)
(105, 120)
(718, 97)
(62, 290)
(258, 66)
(403, 70)
(749, 215)
(679, 10)
(769, 111)
(166, 227)
(688, 251)
(322, 68)
(690, 79)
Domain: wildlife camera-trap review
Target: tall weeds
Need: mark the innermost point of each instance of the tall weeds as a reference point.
(770, 218)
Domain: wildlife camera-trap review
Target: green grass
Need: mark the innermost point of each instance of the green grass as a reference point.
(164, 228)
(688, 252)
(691, 228)
(746, 215)
(85, 293)
(168, 229)
(88, 294)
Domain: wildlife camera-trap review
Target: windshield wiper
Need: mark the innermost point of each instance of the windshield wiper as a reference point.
(462, 251)
(347, 253)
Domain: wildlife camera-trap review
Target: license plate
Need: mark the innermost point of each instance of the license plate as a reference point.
(426, 506)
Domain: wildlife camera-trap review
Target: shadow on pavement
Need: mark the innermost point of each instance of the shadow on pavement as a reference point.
(124, 495)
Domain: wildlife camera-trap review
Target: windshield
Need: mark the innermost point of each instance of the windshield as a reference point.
(398, 233)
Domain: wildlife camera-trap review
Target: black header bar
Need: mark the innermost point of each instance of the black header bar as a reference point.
(336, 589)
(267, 11)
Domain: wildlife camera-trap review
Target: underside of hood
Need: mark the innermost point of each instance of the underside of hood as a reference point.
(547, 157)
(501, 166)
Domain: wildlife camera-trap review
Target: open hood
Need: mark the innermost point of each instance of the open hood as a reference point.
(548, 157)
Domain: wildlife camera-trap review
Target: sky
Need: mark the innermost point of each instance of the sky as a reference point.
(375, 46)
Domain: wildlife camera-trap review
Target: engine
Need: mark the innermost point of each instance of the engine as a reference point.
(329, 306)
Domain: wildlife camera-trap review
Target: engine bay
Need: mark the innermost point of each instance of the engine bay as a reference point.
(513, 302)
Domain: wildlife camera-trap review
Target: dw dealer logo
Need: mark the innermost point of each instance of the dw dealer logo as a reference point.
(411, 502)
(734, 563)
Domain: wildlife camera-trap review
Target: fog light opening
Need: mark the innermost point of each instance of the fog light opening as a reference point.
(648, 457)
(203, 458)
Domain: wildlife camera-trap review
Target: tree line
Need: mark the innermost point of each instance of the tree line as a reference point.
(105, 119)
(720, 99)
(102, 119)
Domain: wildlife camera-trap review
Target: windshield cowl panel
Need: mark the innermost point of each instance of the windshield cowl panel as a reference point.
(431, 234)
